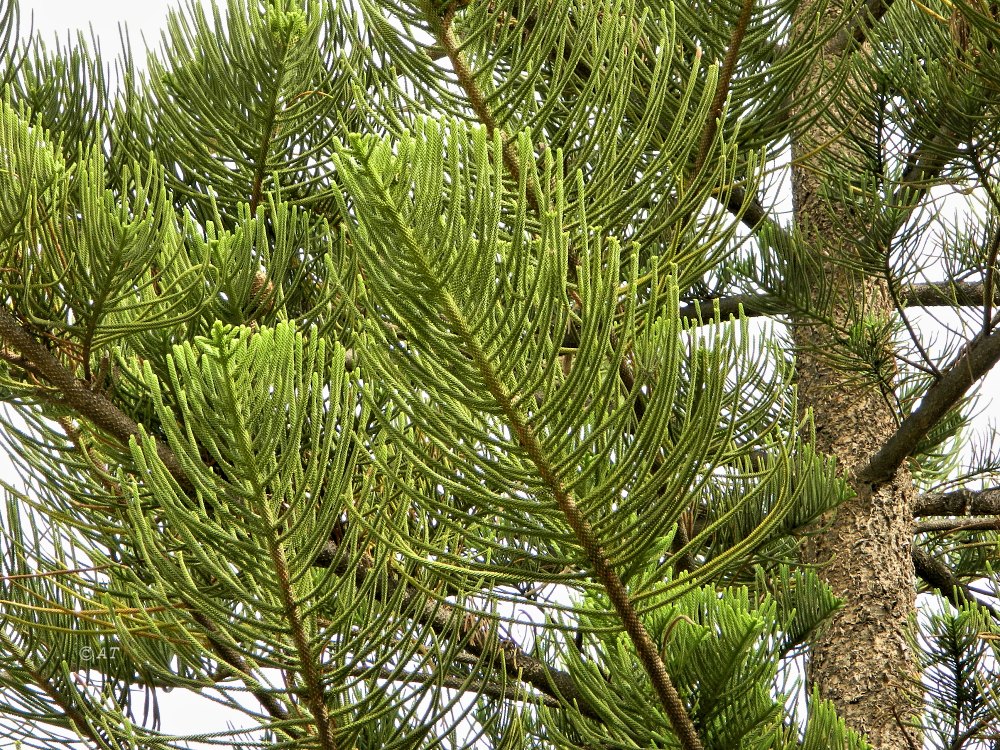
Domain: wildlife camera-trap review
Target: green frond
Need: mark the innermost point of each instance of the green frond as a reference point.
(65, 90)
(827, 730)
(725, 655)
(617, 104)
(241, 105)
(500, 412)
(10, 32)
(61, 654)
(960, 676)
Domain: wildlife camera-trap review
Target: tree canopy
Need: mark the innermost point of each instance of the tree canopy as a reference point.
(444, 374)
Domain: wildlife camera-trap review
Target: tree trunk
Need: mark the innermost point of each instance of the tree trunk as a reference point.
(862, 661)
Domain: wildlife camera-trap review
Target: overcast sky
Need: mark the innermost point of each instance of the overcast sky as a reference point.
(143, 17)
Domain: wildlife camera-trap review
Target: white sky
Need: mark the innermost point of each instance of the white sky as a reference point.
(145, 19)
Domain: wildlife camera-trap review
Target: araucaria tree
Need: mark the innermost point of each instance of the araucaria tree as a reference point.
(448, 374)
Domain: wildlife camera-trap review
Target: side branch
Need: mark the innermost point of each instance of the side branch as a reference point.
(978, 358)
(956, 525)
(937, 575)
(931, 294)
(78, 395)
(551, 682)
(959, 503)
(867, 16)
(477, 100)
(235, 661)
(948, 294)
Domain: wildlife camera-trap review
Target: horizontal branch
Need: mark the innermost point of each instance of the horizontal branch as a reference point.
(931, 294)
(959, 503)
(947, 294)
(490, 689)
(953, 525)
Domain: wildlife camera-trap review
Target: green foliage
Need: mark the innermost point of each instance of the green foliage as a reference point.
(961, 675)
(724, 653)
(375, 378)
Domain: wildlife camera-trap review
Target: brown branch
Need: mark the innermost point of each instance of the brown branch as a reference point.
(947, 294)
(722, 89)
(924, 165)
(310, 678)
(874, 11)
(856, 32)
(930, 294)
(78, 395)
(647, 650)
(649, 656)
(978, 357)
(234, 661)
(938, 576)
(950, 525)
(751, 212)
(443, 620)
(477, 100)
(491, 689)
(959, 503)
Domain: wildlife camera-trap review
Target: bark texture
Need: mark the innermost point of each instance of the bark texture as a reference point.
(862, 661)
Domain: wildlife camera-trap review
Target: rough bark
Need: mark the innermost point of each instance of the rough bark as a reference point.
(862, 661)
